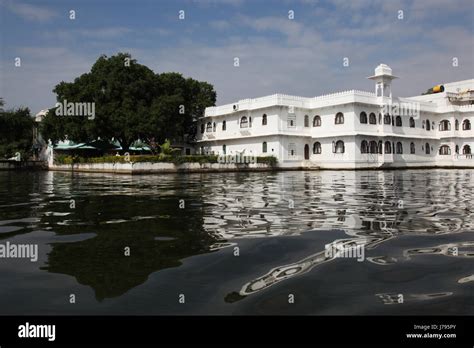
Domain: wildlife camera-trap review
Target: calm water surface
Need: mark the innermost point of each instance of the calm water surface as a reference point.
(184, 232)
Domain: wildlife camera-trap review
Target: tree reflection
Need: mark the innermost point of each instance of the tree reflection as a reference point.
(101, 263)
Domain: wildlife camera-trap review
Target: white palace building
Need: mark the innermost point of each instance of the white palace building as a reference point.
(351, 129)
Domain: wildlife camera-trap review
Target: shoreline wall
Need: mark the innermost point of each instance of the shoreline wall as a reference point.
(161, 168)
(166, 167)
(22, 165)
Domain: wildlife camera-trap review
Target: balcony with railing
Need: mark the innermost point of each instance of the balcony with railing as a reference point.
(461, 98)
(245, 132)
(462, 157)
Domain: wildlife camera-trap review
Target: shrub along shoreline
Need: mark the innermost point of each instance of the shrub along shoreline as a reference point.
(177, 160)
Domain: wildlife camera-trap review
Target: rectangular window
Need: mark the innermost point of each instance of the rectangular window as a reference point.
(291, 150)
(291, 121)
(379, 89)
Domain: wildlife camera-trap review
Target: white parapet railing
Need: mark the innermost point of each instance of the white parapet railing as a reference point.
(466, 108)
(289, 100)
(245, 132)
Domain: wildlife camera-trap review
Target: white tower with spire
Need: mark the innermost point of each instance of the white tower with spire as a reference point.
(383, 82)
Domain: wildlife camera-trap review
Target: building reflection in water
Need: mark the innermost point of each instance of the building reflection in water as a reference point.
(370, 207)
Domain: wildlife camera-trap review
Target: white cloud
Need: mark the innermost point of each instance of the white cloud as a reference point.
(96, 34)
(30, 12)
(301, 60)
(41, 70)
(283, 25)
(220, 24)
(104, 33)
(218, 2)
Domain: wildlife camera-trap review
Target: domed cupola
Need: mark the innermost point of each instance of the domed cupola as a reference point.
(383, 81)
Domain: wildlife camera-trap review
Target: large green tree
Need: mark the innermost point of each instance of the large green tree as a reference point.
(131, 103)
(16, 132)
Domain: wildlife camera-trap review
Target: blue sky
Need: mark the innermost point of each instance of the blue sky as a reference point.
(303, 56)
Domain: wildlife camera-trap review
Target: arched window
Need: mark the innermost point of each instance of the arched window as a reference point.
(399, 148)
(380, 147)
(214, 127)
(412, 148)
(444, 150)
(380, 118)
(444, 125)
(456, 125)
(224, 149)
(466, 125)
(372, 118)
(250, 121)
(264, 120)
(202, 127)
(364, 147)
(339, 118)
(387, 119)
(427, 149)
(317, 121)
(398, 121)
(423, 124)
(244, 122)
(338, 147)
(264, 147)
(209, 127)
(373, 147)
(224, 125)
(466, 150)
(363, 117)
(306, 120)
(317, 148)
(456, 149)
(427, 124)
(388, 147)
(412, 122)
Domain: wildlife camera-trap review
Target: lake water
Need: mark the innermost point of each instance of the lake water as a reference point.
(239, 243)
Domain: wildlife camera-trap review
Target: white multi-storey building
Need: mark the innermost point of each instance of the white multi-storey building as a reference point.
(351, 129)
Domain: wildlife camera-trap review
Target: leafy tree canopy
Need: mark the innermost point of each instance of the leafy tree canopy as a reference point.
(16, 132)
(131, 102)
